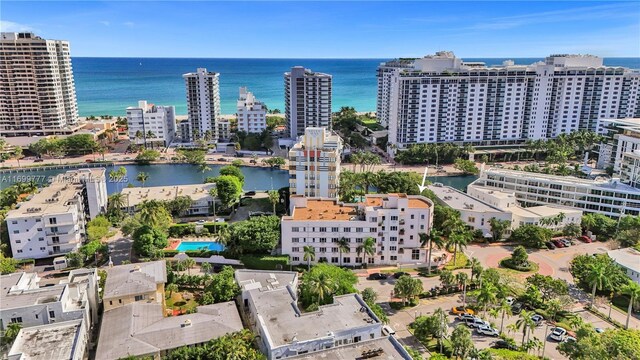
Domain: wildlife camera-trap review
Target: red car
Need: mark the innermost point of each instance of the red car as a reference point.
(585, 238)
(558, 243)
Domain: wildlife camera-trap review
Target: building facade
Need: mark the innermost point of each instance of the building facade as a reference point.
(394, 221)
(307, 99)
(607, 197)
(36, 81)
(630, 168)
(52, 222)
(203, 104)
(629, 260)
(621, 136)
(314, 164)
(151, 124)
(132, 283)
(251, 113)
(440, 98)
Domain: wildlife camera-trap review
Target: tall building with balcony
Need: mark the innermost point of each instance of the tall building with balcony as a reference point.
(151, 124)
(620, 136)
(307, 100)
(394, 221)
(52, 222)
(36, 82)
(203, 104)
(314, 164)
(440, 98)
(251, 113)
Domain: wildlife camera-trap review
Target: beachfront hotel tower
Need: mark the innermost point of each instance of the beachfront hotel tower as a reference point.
(307, 99)
(203, 104)
(441, 98)
(36, 82)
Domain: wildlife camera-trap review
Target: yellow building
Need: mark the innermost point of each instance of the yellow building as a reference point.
(141, 282)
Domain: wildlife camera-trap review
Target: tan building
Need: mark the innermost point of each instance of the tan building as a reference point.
(36, 82)
(141, 282)
(314, 164)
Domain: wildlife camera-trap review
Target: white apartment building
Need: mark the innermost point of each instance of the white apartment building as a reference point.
(251, 113)
(203, 104)
(36, 82)
(66, 340)
(198, 193)
(346, 327)
(314, 164)
(151, 124)
(440, 98)
(629, 260)
(307, 100)
(52, 221)
(394, 221)
(24, 301)
(630, 168)
(383, 76)
(609, 197)
(621, 136)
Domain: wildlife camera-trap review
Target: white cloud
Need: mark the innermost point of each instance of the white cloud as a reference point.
(10, 26)
(128, 24)
(104, 22)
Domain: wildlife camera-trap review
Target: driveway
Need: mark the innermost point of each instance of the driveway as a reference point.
(119, 249)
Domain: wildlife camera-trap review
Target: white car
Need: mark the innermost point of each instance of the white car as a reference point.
(487, 330)
(387, 330)
(537, 318)
(466, 317)
(510, 300)
(570, 339)
(477, 322)
(558, 334)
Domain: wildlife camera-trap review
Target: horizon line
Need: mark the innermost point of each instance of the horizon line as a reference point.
(327, 58)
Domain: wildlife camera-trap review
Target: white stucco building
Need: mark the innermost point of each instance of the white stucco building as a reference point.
(37, 86)
(307, 99)
(394, 221)
(314, 164)
(629, 260)
(198, 193)
(203, 104)
(251, 113)
(65, 340)
(440, 98)
(52, 221)
(286, 331)
(609, 197)
(148, 119)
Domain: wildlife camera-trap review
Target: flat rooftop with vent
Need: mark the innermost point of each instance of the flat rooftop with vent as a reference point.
(65, 340)
(378, 349)
(199, 193)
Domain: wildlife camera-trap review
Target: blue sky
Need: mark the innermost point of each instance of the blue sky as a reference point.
(331, 29)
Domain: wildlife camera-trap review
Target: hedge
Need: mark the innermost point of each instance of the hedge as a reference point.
(265, 262)
(506, 262)
(194, 253)
(180, 230)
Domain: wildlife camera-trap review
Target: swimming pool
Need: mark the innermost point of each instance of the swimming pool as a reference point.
(200, 245)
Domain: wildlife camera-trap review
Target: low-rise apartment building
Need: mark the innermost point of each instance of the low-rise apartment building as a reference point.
(347, 326)
(608, 197)
(621, 136)
(629, 260)
(150, 124)
(630, 168)
(130, 283)
(52, 221)
(314, 164)
(66, 340)
(251, 113)
(394, 221)
(24, 301)
(198, 193)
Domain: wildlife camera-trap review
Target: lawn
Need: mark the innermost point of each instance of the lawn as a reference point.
(372, 124)
(265, 262)
(460, 262)
(177, 302)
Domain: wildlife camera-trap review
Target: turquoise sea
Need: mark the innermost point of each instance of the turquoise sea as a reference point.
(109, 85)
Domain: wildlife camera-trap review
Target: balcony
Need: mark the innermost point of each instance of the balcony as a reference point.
(401, 232)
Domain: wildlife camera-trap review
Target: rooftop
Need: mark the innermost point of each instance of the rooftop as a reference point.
(21, 289)
(131, 279)
(256, 279)
(59, 197)
(628, 258)
(458, 200)
(379, 349)
(140, 329)
(284, 323)
(137, 195)
(320, 209)
(47, 342)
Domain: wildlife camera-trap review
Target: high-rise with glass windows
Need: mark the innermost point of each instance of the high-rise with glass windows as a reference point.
(307, 99)
(203, 105)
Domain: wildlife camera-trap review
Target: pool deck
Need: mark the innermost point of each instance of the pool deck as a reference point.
(174, 244)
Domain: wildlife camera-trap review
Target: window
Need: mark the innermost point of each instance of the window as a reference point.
(415, 254)
(347, 229)
(394, 218)
(295, 249)
(393, 248)
(335, 260)
(295, 258)
(295, 240)
(393, 258)
(16, 319)
(358, 229)
(52, 314)
(346, 260)
(53, 221)
(358, 240)
(139, 297)
(323, 229)
(335, 229)
(295, 229)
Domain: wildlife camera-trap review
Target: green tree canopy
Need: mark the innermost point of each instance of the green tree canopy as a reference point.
(233, 171)
(256, 235)
(229, 189)
(531, 235)
(342, 282)
(147, 239)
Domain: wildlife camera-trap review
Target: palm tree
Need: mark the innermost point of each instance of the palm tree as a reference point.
(142, 177)
(633, 290)
(462, 279)
(17, 152)
(476, 268)
(206, 267)
(150, 213)
(343, 247)
(487, 295)
(458, 240)
(442, 325)
(309, 255)
(203, 168)
(434, 239)
(189, 263)
(322, 286)
(274, 198)
(11, 332)
(224, 235)
(504, 309)
(116, 201)
(525, 323)
(171, 288)
(598, 277)
(213, 192)
(368, 247)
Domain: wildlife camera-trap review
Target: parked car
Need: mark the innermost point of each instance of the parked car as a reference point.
(466, 317)
(570, 339)
(38, 160)
(222, 159)
(487, 330)
(502, 344)
(557, 243)
(387, 330)
(476, 322)
(399, 274)
(537, 318)
(585, 238)
(510, 300)
(377, 276)
(250, 193)
(558, 334)
(566, 242)
(516, 308)
(550, 245)
(459, 310)
(599, 330)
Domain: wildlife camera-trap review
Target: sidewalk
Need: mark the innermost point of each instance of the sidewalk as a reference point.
(619, 316)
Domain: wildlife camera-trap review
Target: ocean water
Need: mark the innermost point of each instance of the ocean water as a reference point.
(109, 85)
